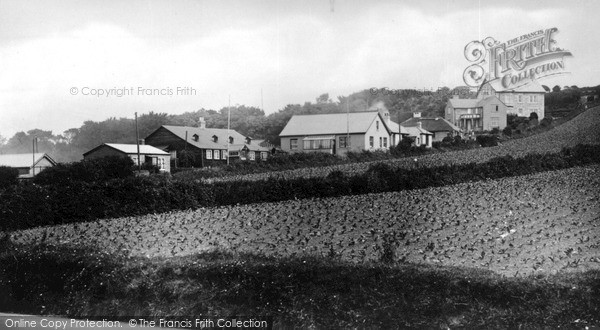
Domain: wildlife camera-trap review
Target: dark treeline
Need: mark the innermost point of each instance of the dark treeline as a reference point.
(250, 121)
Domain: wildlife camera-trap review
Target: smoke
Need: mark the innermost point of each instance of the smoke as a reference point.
(379, 105)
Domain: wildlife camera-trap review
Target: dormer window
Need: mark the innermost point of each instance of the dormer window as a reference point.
(377, 124)
(195, 137)
(215, 138)
(231, 140)
(248, 140)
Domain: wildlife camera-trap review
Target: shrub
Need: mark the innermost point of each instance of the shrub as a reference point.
(487, 140)
(507, 131)
(101, 169)
(8, 176)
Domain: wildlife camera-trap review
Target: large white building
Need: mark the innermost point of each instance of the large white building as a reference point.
(521, 101)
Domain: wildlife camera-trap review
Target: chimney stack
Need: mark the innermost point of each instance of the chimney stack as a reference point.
(201, 122)
(416, 115)
(419, 125)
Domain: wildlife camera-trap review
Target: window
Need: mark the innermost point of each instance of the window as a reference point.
(520, 111)
(195, 137)
(377, 124)
(495, 122)
(231, 140)
(317, 144)
(264, 155)
(520, 98)
(208, 154)
(224, 154)
(293, 144)
(215, 138)
(252, 155)
(380, 142)
(385, 140)
(217, 154)
(496, 108)
(371, 141)
(344, 142)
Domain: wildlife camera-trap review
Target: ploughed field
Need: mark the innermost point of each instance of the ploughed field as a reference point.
(583, 129)
(545, 222)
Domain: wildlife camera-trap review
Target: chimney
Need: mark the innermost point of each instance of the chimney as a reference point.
(142, 141)
(201, 122)
(419, 125)
(385, 114)
(416, 115)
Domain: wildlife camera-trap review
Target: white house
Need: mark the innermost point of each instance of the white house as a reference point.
(28, 165)
(148, 154)
(338, 133)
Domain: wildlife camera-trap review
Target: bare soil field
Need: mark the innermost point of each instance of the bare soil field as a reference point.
(541, 223)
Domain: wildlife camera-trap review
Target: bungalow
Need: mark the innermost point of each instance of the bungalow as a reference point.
(338, 133)
(421, 136)
(148, 154)
(438, 127)
(201, 146)
(28, 165)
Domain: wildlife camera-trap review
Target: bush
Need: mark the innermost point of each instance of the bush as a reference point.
(101, 169)
(487, 140)
(26, 206)
(8, 176)
(507, 131)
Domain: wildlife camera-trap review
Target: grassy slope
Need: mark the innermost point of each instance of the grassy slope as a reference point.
(303, 292)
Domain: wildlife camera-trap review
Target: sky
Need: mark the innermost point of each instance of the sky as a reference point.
(57, 57)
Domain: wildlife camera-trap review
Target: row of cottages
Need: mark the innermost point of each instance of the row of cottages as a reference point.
(201, 146)
(29, 165)
(148, 154)
(339, 133)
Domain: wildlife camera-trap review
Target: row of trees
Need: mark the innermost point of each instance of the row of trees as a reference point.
(250, 121)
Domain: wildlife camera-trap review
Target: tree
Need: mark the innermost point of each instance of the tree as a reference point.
(323, 98)
(556, 89)
(546, 88)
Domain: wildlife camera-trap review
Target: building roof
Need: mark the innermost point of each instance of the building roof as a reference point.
(23, 160)
(471, 103)
(131, 149)
(205, 137)
(413, 131)
(464, 103)
(533, 87)
(332, 123)
(437, 124)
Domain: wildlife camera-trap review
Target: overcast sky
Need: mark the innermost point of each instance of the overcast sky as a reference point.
(291, 51)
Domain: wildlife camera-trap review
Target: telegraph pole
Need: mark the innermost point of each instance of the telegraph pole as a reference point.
(229, 126)
(137, 142)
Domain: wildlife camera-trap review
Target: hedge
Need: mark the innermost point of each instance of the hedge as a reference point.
(31, 205)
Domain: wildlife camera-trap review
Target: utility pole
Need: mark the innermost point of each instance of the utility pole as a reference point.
(347, 125)
(137, 142)
(33, 143)
(229, 126)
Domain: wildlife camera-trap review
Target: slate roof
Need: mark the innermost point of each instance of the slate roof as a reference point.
(23, 160)
(332, 123)
(437, 124)
(205, 137)
(413, 131)
(131, 149)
